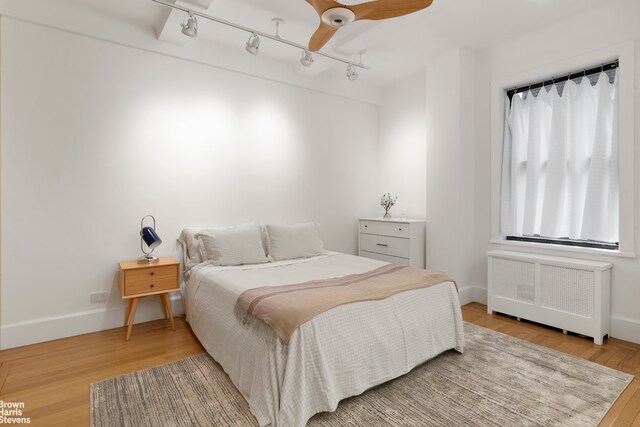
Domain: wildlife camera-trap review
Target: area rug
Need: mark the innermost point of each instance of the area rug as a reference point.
(498, 381)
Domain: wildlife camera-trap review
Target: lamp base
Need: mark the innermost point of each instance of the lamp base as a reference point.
(148, 259)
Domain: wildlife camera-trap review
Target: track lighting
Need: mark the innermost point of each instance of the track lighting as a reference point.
(190, 26)
(190, 29)
(352, 74)
(253, 44)
(278, 22)
(306, 59)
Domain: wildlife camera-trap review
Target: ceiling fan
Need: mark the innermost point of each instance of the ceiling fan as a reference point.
(334, 15)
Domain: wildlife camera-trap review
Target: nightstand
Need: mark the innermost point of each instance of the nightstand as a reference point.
(142, 280)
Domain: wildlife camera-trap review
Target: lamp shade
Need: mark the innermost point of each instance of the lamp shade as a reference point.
(150, 237)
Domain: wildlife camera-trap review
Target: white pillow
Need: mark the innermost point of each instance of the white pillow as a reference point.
(192, 249)
(289, 241)
(232, 246)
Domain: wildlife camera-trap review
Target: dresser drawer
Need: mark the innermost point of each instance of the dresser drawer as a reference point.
(148, 273)
(150, 285)
(384, 228)
(386, 258)
(394, 246)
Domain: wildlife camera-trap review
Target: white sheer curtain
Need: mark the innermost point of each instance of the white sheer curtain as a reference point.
(560, 162)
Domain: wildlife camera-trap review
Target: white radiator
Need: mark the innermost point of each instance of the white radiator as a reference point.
(570, 294)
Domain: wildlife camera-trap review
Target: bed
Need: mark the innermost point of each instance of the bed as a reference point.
(338, 354)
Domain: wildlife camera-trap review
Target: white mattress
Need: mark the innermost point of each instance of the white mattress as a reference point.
(338, 354)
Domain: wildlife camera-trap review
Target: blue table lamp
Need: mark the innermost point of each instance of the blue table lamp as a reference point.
(150, 239)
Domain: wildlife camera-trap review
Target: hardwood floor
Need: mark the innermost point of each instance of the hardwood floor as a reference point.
(53, 378)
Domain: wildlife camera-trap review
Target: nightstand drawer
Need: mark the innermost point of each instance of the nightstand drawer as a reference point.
(150, 285)
(394, 246)
(396, 229)
(149, 273)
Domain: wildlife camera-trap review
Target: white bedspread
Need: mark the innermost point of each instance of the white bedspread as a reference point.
(338, 354)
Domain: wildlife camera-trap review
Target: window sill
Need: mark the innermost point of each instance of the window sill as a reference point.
(562, 248)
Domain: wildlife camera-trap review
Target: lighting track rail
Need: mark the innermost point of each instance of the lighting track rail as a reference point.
(259, 33)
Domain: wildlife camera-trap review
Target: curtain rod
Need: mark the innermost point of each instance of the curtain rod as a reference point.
(586, 72)
(259, 33)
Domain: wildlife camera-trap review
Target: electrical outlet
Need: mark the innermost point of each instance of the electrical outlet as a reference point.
(99, 297)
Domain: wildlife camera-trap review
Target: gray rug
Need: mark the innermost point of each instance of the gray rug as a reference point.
(498, 381)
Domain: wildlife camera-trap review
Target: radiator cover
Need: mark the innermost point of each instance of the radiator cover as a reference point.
(570, 294)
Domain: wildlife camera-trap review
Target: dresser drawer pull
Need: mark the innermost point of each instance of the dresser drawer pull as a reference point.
(153, 286)
(365, 226)
(152, 273)
(382, 244)
(399, 229)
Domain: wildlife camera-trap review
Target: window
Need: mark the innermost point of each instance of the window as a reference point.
(560, 165)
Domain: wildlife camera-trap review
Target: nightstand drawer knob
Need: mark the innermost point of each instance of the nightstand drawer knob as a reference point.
(153, 286)
(152, 273)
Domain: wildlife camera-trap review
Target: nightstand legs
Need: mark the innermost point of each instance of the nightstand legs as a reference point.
(132, 315)
(167, 305)
(127, 313)
(164, 306)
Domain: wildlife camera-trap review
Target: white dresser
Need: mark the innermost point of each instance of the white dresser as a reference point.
(400, 241)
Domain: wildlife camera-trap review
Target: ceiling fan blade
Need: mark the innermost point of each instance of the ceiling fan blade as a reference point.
(383, 9)
(321, 5)
(322, 35)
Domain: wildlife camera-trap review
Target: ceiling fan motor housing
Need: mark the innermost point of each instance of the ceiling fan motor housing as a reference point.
(338, 17)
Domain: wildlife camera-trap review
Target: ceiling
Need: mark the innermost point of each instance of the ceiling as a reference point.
(394, 47)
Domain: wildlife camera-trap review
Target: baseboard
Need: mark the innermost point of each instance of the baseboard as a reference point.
(625, 329)
(465, 295)
(52, 328)
(480, 295)
(472, 294)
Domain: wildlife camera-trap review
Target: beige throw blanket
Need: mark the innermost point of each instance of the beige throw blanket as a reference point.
(284, 308)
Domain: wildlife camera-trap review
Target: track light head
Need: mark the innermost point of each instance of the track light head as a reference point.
(352, 74)
(190, 26)
(306, 59)
(253, 44)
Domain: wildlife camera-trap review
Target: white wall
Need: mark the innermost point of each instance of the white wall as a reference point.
(403, 145)
(613, 23)
(449, 166)
(95, 135)
(427, 159)
(458, 147)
